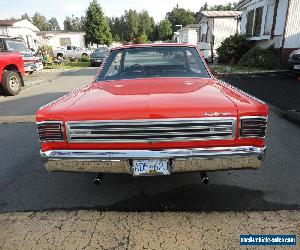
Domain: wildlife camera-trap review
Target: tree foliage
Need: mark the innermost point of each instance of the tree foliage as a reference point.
(53, 24)
(96, 25)
(26, 16)
(74, 23)
(40, 21)
(165, 29)
(220, 7)
(180, 16)
(133, 26)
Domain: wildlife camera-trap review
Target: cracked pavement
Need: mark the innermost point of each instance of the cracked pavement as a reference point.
(120, 230)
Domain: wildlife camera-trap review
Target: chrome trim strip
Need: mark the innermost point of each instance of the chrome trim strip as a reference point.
(150, 122)
(117, 155)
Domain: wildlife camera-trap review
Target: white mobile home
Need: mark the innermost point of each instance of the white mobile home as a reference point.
(273, 23)
(57, 39)
(21, 28)
(188, 34)
(214, 27)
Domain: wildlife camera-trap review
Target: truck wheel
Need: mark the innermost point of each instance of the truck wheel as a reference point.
(11, 82)
(59, 56)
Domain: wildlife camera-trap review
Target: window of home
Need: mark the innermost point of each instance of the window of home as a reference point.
(257, 21)
(199, 35)
(250, 19)
(269, 19)
(254, 20)
(65, 41)
(203, 33)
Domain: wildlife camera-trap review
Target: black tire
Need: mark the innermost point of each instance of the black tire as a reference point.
(85, 55)
(59, 55)
(11, 82)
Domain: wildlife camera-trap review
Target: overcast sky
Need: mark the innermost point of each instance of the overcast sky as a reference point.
(62, 8)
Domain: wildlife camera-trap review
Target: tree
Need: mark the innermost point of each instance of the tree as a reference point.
(165, 29)
(53, 24)
(26, 16)
(96, 24)
(146, 23)
(74, 23)
(180, 16)
(40, 21)
(131, 20)
(220, 7)
(204, 7)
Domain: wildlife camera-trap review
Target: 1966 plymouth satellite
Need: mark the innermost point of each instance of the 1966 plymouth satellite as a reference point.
(153, 110)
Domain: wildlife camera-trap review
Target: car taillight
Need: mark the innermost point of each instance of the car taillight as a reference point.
(52, 131)
(253, 127)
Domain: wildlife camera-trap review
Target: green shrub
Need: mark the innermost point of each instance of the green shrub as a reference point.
(261, 58)
(83, 59)
(233, 48)
(140, 39)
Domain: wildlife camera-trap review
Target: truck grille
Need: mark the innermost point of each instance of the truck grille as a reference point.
(161, 130)
(296, 57)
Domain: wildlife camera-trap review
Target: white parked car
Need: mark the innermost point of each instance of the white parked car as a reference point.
(70, 52)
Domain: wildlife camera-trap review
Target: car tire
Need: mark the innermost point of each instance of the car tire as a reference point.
(59, 56)
(85, 54)
(11, 82)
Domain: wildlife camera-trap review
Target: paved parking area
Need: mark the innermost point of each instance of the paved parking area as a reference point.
(281, 89)
(114, 230)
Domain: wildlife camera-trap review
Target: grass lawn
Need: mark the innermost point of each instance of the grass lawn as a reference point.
(69, 65)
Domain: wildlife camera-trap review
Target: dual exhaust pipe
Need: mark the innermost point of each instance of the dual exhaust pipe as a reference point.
(99, 179)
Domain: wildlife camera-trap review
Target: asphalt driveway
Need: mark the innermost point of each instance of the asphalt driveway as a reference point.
(279, 89)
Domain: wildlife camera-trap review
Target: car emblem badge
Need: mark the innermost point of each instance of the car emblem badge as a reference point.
(216, 114)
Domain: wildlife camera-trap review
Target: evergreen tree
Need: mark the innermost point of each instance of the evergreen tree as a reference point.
(96, 24)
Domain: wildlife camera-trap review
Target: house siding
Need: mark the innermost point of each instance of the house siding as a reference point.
(53, 40)
(292, 32)
(188, 36)
(223, 28)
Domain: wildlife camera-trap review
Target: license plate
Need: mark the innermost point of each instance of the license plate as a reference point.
(151, 167)
(297, 66)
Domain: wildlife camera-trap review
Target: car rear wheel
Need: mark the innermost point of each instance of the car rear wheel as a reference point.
(11, 82)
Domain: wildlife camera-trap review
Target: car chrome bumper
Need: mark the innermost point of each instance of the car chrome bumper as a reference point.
(183, 160)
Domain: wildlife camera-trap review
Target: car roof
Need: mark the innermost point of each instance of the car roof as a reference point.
(148, 45)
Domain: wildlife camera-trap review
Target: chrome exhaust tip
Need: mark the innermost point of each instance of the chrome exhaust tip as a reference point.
(204, 178)
(98, 179)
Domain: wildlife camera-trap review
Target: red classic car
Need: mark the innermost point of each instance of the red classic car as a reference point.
(153, 110)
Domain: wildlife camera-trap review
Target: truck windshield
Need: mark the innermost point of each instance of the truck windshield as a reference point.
(149, 62)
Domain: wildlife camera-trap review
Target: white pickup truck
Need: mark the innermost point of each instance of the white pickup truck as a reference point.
(70, 52)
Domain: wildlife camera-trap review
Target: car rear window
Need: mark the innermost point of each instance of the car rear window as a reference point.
(149, 62)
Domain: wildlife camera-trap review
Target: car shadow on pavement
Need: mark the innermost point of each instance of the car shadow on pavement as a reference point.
(20, 106)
